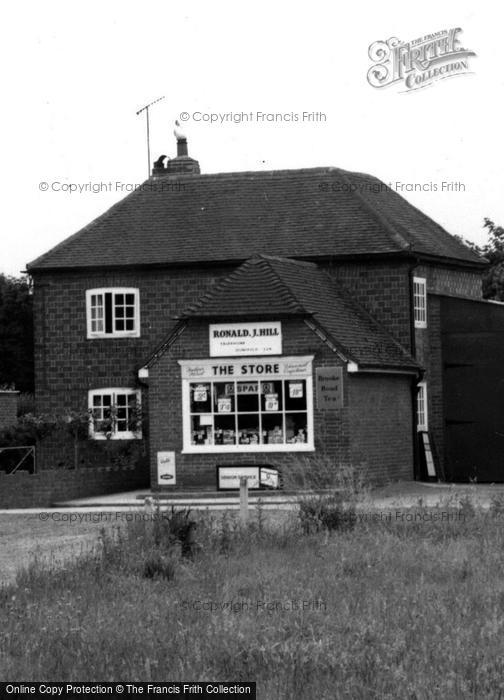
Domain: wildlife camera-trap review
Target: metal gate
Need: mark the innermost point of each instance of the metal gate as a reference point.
(14, 458)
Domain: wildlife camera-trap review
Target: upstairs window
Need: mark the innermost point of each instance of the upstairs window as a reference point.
(420, 302)
(113, 313)
(114, 414)
(422, 420)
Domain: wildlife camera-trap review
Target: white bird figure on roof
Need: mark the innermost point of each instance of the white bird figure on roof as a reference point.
(179, 134)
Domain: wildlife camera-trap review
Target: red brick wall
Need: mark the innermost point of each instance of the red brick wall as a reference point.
(380, 416)
(333, 429)
(440, 280)
(383, 289)
(67, 364)
(44, 489)
(8, 408)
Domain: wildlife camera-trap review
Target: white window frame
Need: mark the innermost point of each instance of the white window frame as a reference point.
(420, 302)
(422, 407)
(189, 448)
(113, 392)
(135, 333)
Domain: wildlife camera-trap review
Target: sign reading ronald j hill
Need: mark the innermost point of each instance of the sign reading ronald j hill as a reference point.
(232, 339)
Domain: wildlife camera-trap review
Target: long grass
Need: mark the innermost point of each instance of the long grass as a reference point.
(392, 608)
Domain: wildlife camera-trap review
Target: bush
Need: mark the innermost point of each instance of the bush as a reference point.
(26, 404)
(331, 492)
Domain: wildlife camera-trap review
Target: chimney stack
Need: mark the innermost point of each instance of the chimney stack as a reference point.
(182, 164)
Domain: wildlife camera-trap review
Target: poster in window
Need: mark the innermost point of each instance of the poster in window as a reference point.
(295, 390)
(224, 404)
(200, 393)
(271, 402)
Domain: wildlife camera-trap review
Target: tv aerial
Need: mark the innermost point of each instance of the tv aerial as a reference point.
(146, 110)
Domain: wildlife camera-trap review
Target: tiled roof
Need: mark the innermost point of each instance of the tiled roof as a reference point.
(266, 286)
(311, 213)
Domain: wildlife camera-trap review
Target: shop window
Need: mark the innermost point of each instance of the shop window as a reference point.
(114, 414)
(422, 421)
(420, 302)
(254, 415)
(113, 313)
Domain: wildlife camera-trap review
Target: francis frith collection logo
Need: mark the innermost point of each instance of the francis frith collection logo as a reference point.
(418, 63)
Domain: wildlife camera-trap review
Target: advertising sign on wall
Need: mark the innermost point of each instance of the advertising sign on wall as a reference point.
(329, 387)
(166, 475)
(232, 339)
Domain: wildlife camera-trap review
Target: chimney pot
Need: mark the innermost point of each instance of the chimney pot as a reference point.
(182, 148)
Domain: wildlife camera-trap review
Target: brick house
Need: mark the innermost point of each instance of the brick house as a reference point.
(254, 315)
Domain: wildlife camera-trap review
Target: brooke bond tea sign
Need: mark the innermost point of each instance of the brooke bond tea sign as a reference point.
(234, 339)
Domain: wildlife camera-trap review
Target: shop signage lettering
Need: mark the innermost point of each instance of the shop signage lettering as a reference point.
(249, 388)
(247, 368)
(231, 339)
(329, 387)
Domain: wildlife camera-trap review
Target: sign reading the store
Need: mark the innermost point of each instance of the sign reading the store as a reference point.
(329, 387)
(234, 339)
(246, 368)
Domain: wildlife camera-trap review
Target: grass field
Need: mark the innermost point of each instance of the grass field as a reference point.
(409, 607)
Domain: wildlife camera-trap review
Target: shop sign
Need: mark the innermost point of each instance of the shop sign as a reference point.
(232, 339)
(329, 387)
(245, 369)
(249, 388)
(166, 475)
(224, 405)
(271, 402)
(229, 477)
(257, 477)
(295, 390)
(268, 477)
(200, 394)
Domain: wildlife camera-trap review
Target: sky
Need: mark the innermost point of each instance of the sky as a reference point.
(75, 74)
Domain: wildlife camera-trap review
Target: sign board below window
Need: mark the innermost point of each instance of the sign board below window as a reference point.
(229, 477)
(232, 339)
(166, 475)
(265, 477)
(329, 387)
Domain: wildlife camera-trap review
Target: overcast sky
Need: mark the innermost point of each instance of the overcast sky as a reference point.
(75, 73)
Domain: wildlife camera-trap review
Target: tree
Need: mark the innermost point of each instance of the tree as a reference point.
(493, 251)
(16, 334)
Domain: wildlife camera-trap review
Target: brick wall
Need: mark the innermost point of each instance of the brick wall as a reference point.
(333, 429)
(8, 408)
(44, 489)
(454, 282)
(383, 289)
(67, 364)
(440, 281)
(381, 420)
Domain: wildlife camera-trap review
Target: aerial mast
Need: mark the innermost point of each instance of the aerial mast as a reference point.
(146, 110)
